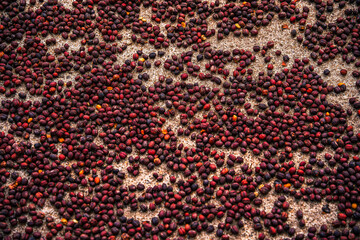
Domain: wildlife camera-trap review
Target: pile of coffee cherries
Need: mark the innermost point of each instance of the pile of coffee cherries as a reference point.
(215, 134)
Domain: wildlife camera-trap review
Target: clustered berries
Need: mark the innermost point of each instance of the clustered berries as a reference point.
(64, 139)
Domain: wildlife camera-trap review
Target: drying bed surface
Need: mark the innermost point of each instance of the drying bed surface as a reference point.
(179, 119)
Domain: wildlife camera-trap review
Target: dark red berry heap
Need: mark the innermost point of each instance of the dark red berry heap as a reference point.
(219, 136)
